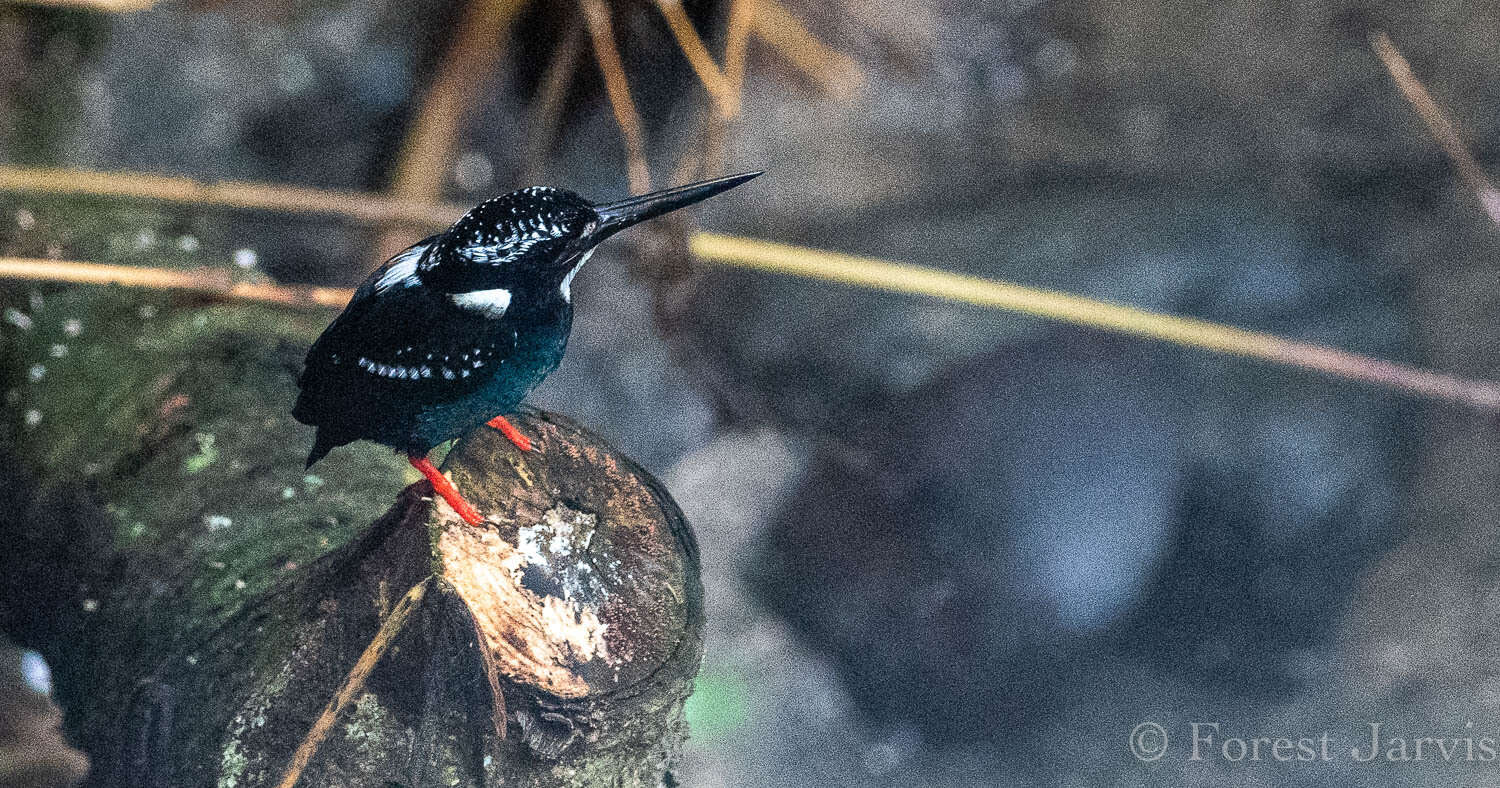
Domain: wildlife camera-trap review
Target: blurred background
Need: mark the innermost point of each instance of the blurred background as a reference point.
(943, 545)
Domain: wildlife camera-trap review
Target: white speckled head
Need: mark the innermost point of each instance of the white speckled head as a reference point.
(529, 244)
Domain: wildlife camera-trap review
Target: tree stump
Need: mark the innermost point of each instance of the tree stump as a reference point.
(553, 646)
(216, 616)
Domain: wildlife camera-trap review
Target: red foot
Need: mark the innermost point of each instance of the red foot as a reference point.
(509, 431)
(445, 488)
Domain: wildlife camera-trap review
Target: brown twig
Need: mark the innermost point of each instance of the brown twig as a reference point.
(356, 206)
(821, 63)
(601, 31)
(726, 100)
(106, 6)
(1438, 123)
(1079, 310)
(881, 275)
(207, 281)
(353, 683)
(736, 45)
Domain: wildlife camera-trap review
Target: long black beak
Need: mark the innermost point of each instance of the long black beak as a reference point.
(616, 216)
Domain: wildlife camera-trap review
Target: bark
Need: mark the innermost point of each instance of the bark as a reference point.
(217, 616)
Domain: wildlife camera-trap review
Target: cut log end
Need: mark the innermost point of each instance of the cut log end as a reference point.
(584, 583)
(553, 645)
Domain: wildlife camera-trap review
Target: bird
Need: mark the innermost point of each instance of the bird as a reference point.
(453, 332)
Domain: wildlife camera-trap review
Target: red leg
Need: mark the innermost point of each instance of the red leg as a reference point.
(509, 431)
(442, 486)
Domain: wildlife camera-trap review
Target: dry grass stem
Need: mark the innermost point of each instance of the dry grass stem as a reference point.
(394, 622)
(1079, 310)
(736, 44)
(825, 66)
(207, 281)
(356, 206)
(106, 6)
(726, 100)
(601, 32)
(720, 249)
(1438, 124)
(876, 274)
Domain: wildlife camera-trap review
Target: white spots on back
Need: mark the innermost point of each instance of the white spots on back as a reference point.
(489, 303)
(445, 366)
(402, 269)
(567, 283)
(18, 318)
(395, 371)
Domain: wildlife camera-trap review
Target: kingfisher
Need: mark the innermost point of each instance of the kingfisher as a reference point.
(453, 332)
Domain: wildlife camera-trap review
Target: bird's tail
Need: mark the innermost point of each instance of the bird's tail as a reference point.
(322, 444)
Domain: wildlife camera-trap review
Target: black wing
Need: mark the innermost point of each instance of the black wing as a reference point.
(395, 352)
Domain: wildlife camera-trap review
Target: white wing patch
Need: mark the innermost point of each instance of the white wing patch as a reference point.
(401, 270)
(567, 283)
(490, 303)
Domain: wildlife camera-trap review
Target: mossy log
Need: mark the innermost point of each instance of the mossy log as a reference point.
(217, 616)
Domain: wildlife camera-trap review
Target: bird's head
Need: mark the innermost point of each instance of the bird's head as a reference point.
(534, 240)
